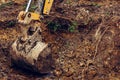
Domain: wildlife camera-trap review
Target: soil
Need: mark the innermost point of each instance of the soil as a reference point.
(84, 36)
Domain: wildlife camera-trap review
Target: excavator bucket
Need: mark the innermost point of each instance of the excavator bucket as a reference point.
(33, 54)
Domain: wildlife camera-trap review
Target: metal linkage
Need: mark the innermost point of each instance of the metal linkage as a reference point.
(28, 5)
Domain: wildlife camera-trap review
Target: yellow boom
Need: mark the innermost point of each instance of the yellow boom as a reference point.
(26, 17)
(47, 6)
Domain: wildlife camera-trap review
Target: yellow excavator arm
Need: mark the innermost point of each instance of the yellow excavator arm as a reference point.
(30, 51)
(26, 17)
(47, 6)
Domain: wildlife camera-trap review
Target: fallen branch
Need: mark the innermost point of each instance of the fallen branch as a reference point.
(100, 38)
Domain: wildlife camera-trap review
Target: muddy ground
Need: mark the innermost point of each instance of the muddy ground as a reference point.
(84, 37)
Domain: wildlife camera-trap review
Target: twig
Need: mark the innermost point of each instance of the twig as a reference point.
(96, 49)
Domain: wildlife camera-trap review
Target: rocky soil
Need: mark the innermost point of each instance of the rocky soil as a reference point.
(84, 36)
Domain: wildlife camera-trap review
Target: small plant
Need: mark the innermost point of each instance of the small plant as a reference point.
(107, 13)
(53, 26)
(11, 23)
(62, 25)
(72, 26)
(32, 7)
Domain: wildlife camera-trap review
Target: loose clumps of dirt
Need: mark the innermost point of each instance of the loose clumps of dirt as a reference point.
(84, 36)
